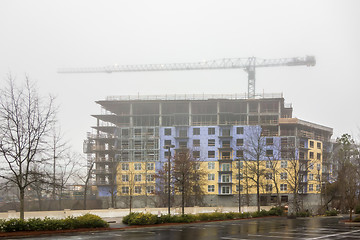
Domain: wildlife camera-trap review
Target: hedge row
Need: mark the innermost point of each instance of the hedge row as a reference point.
(50, 224)
(138, 218)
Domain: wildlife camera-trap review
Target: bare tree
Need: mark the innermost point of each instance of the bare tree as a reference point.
(188, 177)
(25, 121)
(85, 177)
(66, 166)
(255, 152)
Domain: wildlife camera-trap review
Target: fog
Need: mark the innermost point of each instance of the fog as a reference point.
(38, 37)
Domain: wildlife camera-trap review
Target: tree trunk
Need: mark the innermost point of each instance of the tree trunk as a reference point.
(85, 197)
(22, 203)
(351, 210)
(130, 203)
(183, 202)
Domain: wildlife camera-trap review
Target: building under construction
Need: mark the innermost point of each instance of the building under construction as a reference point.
(127, 146)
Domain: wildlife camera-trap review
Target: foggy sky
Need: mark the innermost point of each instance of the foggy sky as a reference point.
(37, 37)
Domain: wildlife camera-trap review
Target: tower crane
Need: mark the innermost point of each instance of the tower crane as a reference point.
(247, 64)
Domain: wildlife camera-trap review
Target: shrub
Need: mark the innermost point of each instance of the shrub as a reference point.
(303, 214)
(49, 224)
(90, 221)
(356, 219)
(331, 213)
(142, 219)
(276, 211)
(357, 209)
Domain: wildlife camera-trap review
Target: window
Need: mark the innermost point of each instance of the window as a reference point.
(239, 142)
(125, 166)
(241, 165)
(125, 189)
(318, 145)
(311, 155)
(241, 176)
(137, 178)
(137, 166)
(318, 156)
(167, 131)
(183, 144)
(196, 154)
(196, 131)
(211, 142)
(311, 176)
(211, 154)
(211, 176)
(312, 144)
(183, 133)
(226, 144)
(269, 141)
(225, 167)
(311, 167)
(225, 155)
(283, 187)
(268, 164)
(150, 177)
(124, 132)
(284, 164)
(317, 187)
(137, 189)
(137, 131)
(211, 188)
(150, 189)
(211, 131)
(237, 188)
(239, 153)
(167, 143)
(239, 130)
(150, 166)
(166, 153)
(226, 132)
(197, 166)
(283, 175)
(196, 142)
(225, 190)
(269, 153)
(318, 166)
(311, 187)
(269, 187)
(150, 131)
(268, 176)
(125, 178)
(211, 165)
(225, 178)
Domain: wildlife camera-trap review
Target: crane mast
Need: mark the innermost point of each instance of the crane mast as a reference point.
(248, 64)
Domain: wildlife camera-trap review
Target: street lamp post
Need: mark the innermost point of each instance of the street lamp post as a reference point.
(168, 147)
(239, 190)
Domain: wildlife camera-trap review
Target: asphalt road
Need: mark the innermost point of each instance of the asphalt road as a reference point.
(266, 228)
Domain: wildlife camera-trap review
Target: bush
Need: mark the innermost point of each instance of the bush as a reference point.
(142, 219)
(357, 209)
(356, 219)
(331, 213)
(276, 211)
(303, 214)
(147, 218)
(49, 224)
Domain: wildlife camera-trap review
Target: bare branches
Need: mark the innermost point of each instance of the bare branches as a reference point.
(25, 121)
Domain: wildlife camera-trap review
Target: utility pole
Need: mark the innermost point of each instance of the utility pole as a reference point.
(239, 192)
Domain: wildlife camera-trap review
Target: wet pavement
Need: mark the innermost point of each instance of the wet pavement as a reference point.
(265, 228)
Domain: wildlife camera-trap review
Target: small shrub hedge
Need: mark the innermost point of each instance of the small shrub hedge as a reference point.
(138, 218)
(50, 224)
(331, 213)
(303, 214)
